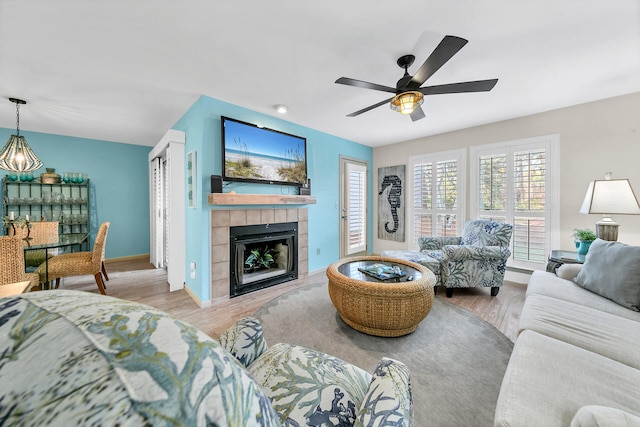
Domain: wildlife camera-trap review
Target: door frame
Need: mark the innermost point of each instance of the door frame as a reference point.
(172, 145)
(342, 232)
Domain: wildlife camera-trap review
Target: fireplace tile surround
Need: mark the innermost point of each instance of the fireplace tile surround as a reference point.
(221, 220)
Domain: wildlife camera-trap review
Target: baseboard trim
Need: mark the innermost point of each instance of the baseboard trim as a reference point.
(128, 258)
(317, 271)
(194, 297)
(519, 270)
(518, 275)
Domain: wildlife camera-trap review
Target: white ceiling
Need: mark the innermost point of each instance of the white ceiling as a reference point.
(126, 71)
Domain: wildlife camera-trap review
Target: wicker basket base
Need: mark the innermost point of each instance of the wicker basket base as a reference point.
(381, 309)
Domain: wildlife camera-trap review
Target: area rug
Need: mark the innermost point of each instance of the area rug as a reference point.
(456, 360)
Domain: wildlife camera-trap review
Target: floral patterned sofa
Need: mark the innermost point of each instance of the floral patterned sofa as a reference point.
(478, 258)
(76, 358)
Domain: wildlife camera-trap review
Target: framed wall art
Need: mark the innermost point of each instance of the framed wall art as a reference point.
(191, 179)
(391, 221)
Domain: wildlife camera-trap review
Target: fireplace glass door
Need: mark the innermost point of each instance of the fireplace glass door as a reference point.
(262, 256)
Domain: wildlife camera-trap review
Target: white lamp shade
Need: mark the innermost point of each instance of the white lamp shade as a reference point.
(610, 196)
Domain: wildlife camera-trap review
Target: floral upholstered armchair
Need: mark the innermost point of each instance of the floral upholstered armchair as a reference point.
(78, 358)
(478, 258)
(310, 388)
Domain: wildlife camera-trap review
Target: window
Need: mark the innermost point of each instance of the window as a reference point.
(514, 182)
(437, 203)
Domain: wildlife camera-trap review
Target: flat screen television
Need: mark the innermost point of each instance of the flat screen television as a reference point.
(257, 154)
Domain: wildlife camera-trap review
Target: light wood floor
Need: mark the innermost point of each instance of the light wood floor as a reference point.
(137, 280)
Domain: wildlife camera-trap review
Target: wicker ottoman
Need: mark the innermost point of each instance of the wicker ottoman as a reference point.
(382, 308)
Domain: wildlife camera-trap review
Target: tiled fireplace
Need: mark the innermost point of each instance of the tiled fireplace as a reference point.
(221, 223)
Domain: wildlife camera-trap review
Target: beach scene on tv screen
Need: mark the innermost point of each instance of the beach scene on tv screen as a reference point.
(260, 154)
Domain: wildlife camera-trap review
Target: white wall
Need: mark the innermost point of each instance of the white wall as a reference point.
(597, 137)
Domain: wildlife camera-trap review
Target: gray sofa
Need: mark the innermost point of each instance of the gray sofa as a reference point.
(576, 361)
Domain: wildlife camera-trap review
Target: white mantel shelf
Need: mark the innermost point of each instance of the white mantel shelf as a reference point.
(259, 199)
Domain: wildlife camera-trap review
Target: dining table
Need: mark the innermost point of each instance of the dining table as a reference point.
(64, 243)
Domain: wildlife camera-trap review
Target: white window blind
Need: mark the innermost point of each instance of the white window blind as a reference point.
(436, 174)
(356, 207)
(165, 190)
(511, 185)
(157, 209)
(493, 182)
(529, 196)
(422, 200)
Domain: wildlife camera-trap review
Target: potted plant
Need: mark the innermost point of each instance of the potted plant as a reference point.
(583, 237)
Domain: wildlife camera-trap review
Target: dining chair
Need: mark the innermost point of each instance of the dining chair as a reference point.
(12, 262)
(41, 232)
(78, 263)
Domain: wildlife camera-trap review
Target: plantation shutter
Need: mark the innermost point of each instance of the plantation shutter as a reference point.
(165, 190)
(529, 193)
(422, 201)
(356, 208)
(436, 206)
(513, 183)
(447, 185)
(157, 213)
(493, 183)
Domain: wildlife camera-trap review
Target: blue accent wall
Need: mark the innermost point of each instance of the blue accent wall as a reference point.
(201, 125)
(119, 182)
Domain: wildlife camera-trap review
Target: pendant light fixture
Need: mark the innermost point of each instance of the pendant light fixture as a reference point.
(17, 156)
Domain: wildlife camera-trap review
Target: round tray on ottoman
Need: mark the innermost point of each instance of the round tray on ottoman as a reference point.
(386, 308)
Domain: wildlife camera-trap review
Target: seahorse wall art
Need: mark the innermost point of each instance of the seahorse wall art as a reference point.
(391, 203)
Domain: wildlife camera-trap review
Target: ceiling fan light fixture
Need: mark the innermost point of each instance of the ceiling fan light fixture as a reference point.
(407, 102)
(16, 155)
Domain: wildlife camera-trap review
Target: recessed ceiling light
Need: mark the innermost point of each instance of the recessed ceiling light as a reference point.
(281, 108)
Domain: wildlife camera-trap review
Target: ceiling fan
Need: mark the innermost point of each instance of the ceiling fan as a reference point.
(408, 93)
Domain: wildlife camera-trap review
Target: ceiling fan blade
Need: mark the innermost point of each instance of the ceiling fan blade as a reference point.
(417, 114)
(366, 85)
(371, 107)
(462, 87)
(449, 46)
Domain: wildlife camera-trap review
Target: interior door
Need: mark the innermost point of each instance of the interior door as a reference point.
(167, 194)
(353, 212)
(166, 220)
(160, 218)
(157, 247)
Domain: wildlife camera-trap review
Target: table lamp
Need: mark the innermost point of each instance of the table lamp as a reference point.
(609, 196)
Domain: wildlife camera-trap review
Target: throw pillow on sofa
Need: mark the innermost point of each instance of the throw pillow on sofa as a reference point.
(568, 271)
(612, 270)
(600, 416)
